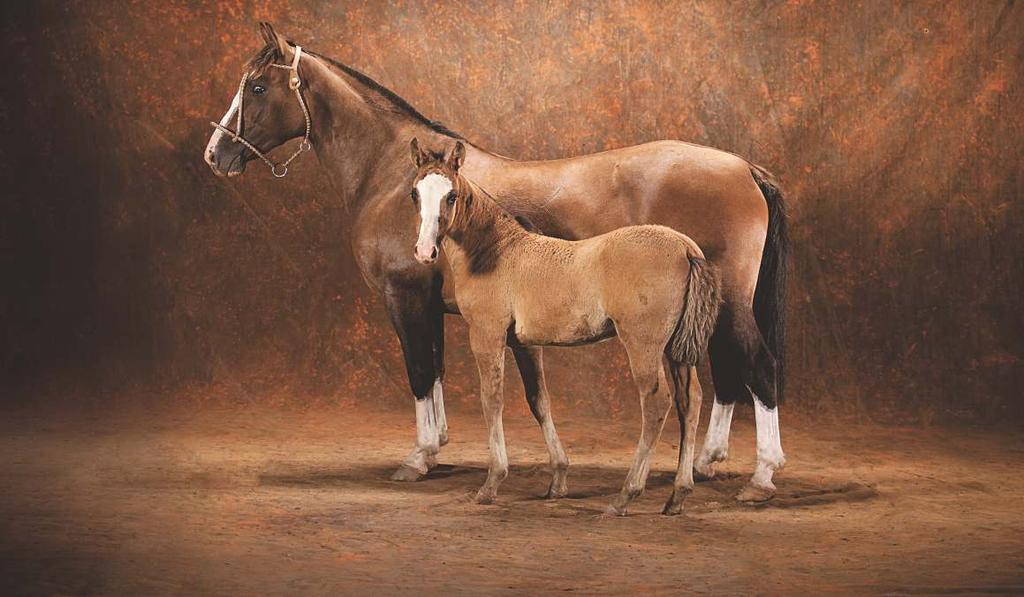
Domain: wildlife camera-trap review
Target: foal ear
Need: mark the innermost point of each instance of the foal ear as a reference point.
(456, 155)
(415, 153)
(272, 38)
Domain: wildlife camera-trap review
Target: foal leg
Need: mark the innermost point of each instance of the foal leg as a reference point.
(688, 398)
(531, 369)
(649, 375)
(490, 362)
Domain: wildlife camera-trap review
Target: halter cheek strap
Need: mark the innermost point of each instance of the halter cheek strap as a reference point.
(294, 83)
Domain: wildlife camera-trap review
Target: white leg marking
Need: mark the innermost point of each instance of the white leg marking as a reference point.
(769, 445)
(427, 441)
(442, 420)
(716, 442)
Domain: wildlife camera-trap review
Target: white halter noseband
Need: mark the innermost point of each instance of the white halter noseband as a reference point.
(294, 83)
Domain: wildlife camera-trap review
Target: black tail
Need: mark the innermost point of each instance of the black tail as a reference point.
(700, 312)
(770, 294)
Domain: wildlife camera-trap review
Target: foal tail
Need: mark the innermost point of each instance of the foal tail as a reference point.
(700, 311)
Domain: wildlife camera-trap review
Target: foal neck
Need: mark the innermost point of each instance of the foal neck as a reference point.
(482, 229)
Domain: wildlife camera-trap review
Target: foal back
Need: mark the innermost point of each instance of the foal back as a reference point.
(578, 292)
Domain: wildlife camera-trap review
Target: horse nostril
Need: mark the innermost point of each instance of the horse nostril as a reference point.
(433, 253)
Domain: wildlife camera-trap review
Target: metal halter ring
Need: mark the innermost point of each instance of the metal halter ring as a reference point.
(273, 170)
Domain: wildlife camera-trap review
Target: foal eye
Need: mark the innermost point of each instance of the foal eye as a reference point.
(258, 89)
(451, 198)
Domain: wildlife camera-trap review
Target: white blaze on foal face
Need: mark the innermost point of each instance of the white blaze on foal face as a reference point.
(432, 190)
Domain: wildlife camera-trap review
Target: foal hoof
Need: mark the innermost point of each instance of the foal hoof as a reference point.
(556, 491)
(754, 494)
(613, 510)
(705, 473)
(407, 474)
(486, 498)
(674, 505)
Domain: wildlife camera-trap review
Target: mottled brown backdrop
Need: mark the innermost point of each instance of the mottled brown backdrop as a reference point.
(128, 269)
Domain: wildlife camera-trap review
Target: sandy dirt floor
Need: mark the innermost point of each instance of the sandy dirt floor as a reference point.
(231, 501)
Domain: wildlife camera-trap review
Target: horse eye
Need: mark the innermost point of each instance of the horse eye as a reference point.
(451, 198)
(258, 89)
(413, 194)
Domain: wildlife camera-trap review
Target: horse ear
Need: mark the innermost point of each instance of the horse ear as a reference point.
(456, 156)
(272, 38)
(417, 155)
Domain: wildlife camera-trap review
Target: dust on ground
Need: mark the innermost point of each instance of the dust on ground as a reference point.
(242, 501)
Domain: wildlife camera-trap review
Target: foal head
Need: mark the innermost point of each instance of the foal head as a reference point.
(438, 193)
(270, 113)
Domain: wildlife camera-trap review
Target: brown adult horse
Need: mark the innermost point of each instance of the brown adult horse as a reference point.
(648, 285)
(360, 132)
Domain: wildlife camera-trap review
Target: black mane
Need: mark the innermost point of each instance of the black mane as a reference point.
(399, 103)
(269, 54)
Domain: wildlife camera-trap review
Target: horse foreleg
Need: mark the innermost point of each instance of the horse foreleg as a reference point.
(531, 369)
(688, 398)
(412, 314)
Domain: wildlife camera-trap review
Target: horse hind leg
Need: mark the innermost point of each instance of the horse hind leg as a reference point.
(649, 376)
(688, 397)
(757, 371)
(770, 456)
(726, 364)
(531, 369)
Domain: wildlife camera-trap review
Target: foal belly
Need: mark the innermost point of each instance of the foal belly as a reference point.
(562, 328)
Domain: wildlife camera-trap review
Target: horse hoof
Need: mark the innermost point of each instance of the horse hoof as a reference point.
(485, 498)
(407, 474)
(754, 494)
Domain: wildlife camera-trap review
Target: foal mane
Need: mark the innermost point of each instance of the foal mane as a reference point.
(484, 228)
(390, 100)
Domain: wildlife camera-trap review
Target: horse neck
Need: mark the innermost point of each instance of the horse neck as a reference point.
(364, 148)
(354, 140)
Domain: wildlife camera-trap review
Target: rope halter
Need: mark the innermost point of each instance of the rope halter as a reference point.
(294, 83)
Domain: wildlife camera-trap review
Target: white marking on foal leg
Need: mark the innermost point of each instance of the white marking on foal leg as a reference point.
(769, 446)
(442, 420)
(716, 442)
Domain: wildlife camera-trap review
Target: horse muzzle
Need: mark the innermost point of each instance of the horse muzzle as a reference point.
(224, 163)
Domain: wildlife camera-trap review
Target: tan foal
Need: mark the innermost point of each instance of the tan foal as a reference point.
(649, 285)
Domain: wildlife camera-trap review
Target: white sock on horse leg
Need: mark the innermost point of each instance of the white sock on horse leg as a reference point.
(769, 444)
(716, 441)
